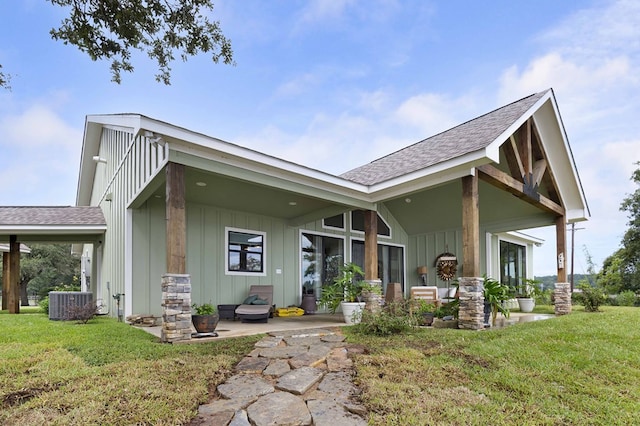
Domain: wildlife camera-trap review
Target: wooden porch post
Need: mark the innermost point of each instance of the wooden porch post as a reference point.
(562, 291)
(470, 227)
(370, 245)
(561, 248)
(13, 295)
(471, 287)
(176, 283)
(5, 279)
(176, 219)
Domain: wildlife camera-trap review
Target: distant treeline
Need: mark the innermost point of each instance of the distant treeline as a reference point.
(549, 280)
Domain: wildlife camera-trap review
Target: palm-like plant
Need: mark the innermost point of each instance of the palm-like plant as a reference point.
(495, 293)
(346, 287)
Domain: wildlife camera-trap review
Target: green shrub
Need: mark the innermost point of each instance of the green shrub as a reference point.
(44, 305)
(81, 314)
(388, 321)
(591, 297)
(626, 298)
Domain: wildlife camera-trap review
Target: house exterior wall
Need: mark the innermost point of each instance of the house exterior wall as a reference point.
(206, 254)
(127, 164)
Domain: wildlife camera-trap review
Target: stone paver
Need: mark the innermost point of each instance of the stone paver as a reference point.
(296, 377)
(250, 364)
(244, 386)
(277, 368)
(284, 407)
(330, 413)
(300, 380)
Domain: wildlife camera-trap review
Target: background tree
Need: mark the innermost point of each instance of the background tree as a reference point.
(610, 277)
(112, 30)
(630, 251)
(48, 266)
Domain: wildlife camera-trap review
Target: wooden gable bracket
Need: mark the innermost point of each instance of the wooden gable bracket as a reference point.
(499, 179)
(527, 162)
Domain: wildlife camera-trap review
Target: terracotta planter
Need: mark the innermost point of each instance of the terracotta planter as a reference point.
(205, 323)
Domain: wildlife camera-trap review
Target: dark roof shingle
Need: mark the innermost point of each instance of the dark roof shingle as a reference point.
(468, 137)
(54, 216)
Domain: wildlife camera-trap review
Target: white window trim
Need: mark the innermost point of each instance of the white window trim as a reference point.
(335, 228)
(228, 229)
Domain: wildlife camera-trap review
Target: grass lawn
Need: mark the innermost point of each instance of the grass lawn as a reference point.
(583, 368)
(578, 369)
(104, 373)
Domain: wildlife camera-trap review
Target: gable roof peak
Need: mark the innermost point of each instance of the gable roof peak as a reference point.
(470, 136)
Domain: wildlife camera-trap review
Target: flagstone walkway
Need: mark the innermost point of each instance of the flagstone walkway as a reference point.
(299, 377)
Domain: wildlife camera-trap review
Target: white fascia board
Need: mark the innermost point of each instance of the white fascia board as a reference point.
(231, 152)
(52, 229)
(493, 149)
(429, 177)
(521, 236)
(336, 185)
(577, 215)
(555, 144)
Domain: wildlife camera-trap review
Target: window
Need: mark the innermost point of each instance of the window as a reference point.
(322, 257)
(513, 263)
(357, 223)
(336, 222)
(245, 251)
(390, 262)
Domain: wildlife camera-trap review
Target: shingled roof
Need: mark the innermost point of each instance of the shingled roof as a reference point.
(52, 216)
(465, 138)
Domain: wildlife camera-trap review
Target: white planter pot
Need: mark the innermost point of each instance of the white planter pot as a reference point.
(352, 311)
(526, 304)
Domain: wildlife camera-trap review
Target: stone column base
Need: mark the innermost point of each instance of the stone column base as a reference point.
(373, 299)
(176, 308)
(562, 298)
(471, 294)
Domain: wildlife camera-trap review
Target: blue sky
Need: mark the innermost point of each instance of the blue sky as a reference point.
(334, 84)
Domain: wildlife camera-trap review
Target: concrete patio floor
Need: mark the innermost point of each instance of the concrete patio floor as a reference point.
(227, 328)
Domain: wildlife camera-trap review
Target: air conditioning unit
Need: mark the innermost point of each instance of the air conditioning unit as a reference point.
(59, 302)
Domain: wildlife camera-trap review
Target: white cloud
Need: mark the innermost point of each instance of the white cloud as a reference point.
(592, 58)
(40, 157)
(433, 113)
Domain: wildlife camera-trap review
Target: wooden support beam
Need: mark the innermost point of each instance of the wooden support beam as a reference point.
(5, 280)
(470, 227)
(13, 293)
(176, 219)
(524, 146)
(539, 168)
(561, 248)
(513, 158)
(503, 181)
(370, 245)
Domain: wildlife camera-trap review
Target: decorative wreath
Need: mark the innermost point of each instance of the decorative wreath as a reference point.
(446, 266)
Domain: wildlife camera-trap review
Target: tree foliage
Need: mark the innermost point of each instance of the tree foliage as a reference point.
(630, 251)
(113, 29)
(48, 266)
(4, 79)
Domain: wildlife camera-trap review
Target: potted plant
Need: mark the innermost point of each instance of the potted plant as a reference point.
(424, 312)
(205, 319)
(526, 296)
(345, 291)
(495, 294)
